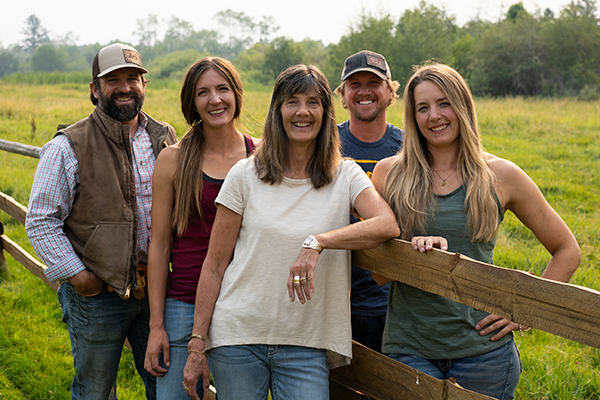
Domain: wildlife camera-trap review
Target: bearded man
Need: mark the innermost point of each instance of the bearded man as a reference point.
(89, 221)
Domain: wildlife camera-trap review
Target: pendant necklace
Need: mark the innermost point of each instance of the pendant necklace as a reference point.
(444, 180)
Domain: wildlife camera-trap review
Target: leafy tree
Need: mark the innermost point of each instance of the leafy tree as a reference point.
(178, 30)
(511, 56)
(251, 64)
(146, 31)
(372, 32)
(173, 65)
(284, 52)
(35, 34)
(239, 30)
(515, 11)
(421, 34)
(572, 58)
(8, 63)
(267, 27)
(47, 58)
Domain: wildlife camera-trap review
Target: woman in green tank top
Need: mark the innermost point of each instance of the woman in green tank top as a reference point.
(442, 184)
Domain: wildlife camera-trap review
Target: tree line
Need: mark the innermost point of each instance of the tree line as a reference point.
(523, 53)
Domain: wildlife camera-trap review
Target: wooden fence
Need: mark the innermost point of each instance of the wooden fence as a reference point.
(563, 309)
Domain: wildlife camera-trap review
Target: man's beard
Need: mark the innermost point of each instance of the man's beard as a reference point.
(369, 117)
(122, 113)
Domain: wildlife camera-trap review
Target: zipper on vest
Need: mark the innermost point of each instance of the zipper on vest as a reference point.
(127, 291)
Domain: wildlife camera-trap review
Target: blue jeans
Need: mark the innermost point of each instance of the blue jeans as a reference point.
(368, 330)
(98, 327)
(248, 371)
(179, 321)
(495, 374)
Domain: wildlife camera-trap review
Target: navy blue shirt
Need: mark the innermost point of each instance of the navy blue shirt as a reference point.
(367, 297)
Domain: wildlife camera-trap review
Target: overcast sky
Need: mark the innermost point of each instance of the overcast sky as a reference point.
(326, 20)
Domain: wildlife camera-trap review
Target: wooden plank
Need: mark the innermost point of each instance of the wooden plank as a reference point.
(12, 208)
(382, 378)
(563, 309)
(341, 392)
(23, 257)
(19, 148)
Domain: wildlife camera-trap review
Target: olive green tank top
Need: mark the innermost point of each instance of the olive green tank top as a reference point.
(431, 326)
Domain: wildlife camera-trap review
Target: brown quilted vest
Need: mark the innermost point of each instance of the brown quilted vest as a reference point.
(102, 226)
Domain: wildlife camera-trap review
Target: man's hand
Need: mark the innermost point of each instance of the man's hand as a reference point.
(86, 283)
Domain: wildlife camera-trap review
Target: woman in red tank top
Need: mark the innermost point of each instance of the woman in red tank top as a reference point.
(186, 181)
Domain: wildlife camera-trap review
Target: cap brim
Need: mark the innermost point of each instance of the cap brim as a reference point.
(368, 69)
(111, 69)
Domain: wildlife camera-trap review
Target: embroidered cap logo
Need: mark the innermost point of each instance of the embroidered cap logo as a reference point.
(132, 56)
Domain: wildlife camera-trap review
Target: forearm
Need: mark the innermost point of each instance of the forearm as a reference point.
(563, 264)
(158, 275)
(366, 234)
(207, 294)
(54, 248)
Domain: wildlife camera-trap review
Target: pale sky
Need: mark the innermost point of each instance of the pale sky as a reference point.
(325, 20)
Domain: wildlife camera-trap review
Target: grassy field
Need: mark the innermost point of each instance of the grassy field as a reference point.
(557, 142)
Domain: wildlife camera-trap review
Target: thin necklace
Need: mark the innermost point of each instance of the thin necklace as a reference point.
(444, 180)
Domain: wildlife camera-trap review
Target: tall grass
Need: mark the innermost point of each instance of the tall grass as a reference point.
(557, 142)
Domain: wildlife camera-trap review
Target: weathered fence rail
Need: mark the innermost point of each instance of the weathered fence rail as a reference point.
(20, 148)
(563, 309)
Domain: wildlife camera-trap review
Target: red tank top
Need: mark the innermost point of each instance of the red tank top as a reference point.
(189, 249)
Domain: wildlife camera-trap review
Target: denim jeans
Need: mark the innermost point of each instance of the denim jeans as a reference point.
(495, 374)
(248, 371)
(179, 321)
(368, 330)
(98, 327)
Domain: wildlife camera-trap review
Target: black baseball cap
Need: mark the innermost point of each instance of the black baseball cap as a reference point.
(366, 60)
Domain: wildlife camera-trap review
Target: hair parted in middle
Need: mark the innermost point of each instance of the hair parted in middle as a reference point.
(407, 185)
(270, 157)
(188, 175)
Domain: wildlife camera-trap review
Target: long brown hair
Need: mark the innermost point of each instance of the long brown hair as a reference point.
(270, 157)
(407, 185)
(188, 174)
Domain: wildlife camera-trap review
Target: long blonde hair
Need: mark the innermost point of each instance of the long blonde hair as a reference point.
(270, 156)
(407, 185)
(188, 174)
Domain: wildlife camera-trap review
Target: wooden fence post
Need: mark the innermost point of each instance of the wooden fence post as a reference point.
(3, 264)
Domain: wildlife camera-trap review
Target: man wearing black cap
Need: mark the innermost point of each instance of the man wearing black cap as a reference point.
(89, 221)
(367, 90)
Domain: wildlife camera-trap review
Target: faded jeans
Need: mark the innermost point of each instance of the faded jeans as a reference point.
(179, 321)
(249, 371)
(98, 327)
(495, 374)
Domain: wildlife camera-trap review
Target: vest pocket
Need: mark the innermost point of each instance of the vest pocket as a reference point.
(107, 253)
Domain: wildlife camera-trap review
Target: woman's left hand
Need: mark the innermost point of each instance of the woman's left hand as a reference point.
(302, 275)
(495, 323)
(426, 243)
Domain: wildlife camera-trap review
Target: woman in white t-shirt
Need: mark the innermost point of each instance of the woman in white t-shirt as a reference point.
(247, 320)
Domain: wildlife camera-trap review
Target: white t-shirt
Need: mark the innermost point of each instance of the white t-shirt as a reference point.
(253, 305)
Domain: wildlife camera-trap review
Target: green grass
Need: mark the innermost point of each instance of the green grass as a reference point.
(557, 142)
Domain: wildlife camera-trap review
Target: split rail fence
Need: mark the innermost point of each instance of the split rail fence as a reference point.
(562, 309)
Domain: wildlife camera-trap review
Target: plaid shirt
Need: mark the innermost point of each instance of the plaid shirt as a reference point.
(54, 188)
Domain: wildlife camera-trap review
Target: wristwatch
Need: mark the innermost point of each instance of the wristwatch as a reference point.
(311, 243)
